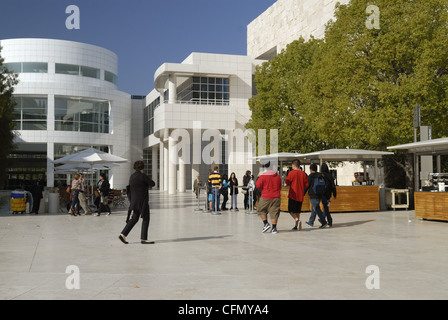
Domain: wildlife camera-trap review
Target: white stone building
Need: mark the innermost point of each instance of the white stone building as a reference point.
(67, 101)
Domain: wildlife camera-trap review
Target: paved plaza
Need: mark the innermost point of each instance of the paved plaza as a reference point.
(203, 257)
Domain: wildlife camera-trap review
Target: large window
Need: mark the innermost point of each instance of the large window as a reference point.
(204, 90)
(148, 117)
(30, 113)
(75, 70)
(81, 115)
(27, 67)
(109, 76)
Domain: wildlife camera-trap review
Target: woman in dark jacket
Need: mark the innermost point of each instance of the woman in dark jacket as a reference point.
(103, 188)
(139, 183)
(330, 189)
(233, 192)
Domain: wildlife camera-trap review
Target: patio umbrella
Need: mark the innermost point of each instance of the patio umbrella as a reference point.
(83, 167)
(91, 157)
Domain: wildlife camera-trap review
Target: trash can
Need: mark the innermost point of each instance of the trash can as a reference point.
(18, 202)
(53, 203)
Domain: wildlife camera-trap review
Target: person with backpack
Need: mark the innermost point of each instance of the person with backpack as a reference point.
(330, 189)
(316, 191)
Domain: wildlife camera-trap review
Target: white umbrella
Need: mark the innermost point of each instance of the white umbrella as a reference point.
(83, 167)
(91, 157)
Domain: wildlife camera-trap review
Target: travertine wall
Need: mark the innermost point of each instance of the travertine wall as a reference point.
(285, 21)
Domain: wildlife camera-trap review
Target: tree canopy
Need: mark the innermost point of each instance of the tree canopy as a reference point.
(357, 87)
(7, 82)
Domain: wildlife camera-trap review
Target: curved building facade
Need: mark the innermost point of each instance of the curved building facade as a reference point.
(67, 101)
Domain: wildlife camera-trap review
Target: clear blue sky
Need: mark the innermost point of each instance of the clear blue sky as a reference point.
(143, 33)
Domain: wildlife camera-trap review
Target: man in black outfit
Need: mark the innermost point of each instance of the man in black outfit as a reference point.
(139, 183)
(36, 191)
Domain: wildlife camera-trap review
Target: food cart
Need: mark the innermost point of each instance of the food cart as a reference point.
(430, 197)
(361, 196)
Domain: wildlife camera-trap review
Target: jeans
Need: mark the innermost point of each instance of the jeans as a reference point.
(327, 211)
(233, 201)
(315, 209)
(215, 198)
(75, 201)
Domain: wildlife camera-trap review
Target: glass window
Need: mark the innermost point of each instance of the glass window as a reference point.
(15, 67)
(90, 72)
(30, 113)
(67, 69)
(81, 115)
(205, 90)
(109, 76)
(35, 67)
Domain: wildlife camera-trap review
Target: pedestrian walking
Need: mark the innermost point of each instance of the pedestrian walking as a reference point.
(297, 181)
(330, 189)
(103, 188)
(37, 193)
(270, 184)
(74, 193)
(139, 184)
(82, 196)
(316, 190)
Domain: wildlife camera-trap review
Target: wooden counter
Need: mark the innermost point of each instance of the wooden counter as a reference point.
(431, 205)
(349, 199)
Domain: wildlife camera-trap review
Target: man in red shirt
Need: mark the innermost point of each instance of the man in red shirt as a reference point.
(297, 181)
(270, 185)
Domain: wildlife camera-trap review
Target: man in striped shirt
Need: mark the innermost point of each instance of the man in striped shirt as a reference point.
(215, 180)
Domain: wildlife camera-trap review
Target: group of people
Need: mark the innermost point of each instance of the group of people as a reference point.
(218, 185)
(319, 185)
(78, 198)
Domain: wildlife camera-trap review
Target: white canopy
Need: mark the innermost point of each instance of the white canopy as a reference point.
(91, 156)
(345, 155)
(429, 147)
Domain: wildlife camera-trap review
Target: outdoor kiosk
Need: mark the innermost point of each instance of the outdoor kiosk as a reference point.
(365, 197)
(431, 201)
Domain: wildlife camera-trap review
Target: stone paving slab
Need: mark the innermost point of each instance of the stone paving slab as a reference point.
(197, 256)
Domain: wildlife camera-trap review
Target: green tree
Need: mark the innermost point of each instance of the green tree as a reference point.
(357, 87)
(7, 82)
(279, 103)
(367, 82)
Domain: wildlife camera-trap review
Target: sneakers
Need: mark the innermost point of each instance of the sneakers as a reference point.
(274, 230)
(310, 224)
(298, 226)
(266, 227)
